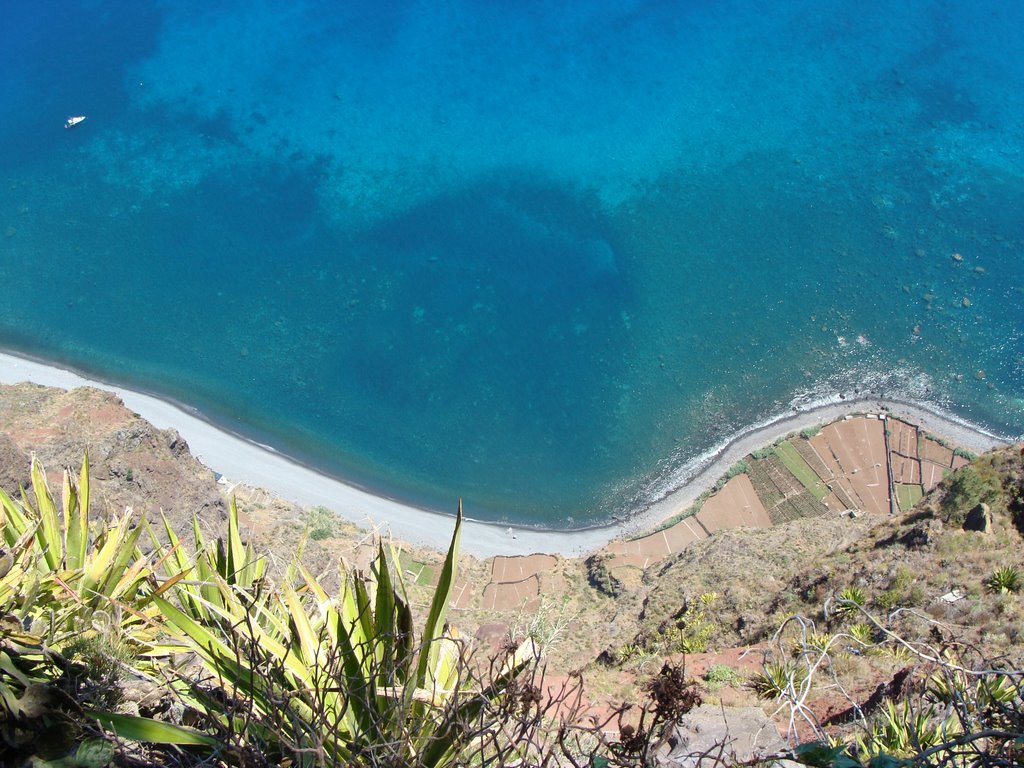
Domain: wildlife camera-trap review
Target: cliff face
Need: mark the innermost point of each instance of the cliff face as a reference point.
(133, 463)
(714, 601)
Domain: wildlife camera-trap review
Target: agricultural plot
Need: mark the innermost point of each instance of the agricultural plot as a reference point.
(510, 596)
(837, 499)
(807, 453)
(515, 581)
(932, 474)
(844, 466)
(737, 504)
(781, 493)
(908, 470)
(656, 546)
(766, 490)
(801, 470)
(905, 469)
(854, 450)
(935, 452)
(907, 495)
(419, 573)
(936, 461)
(903, 438)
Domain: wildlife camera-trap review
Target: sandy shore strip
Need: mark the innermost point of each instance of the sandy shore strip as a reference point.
(241, 460)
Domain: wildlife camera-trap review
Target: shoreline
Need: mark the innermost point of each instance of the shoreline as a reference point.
(714, 463)
(239, 459)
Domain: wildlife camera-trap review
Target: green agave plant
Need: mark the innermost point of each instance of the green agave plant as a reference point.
(903, 732)
(1005, 580)
(850, 601)
(317, 679)
(989, 693)
(64, 577)
(310, 678)
(59, 569)
(210, 576)
(816, 642)
(24, 663)
(779, 678)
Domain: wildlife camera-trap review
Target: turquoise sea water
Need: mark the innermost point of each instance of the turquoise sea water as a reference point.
(537, 255)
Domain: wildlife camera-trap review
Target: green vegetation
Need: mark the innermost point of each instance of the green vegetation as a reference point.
(889, 599)
(1005, 580)
(73, 605)
(278, 668)
(899, 568)
(634, 653)
(801, 470)
(739, 468)
(777, 679)
(902, 732)
(808, 432)
(850, 601)
(964, 710)
(289, 673)
(690, 511)
(720, 674)
(862, 633)
(820, 642)
(908, 494)
(923, 435)
(690, 631)
(421, 573)
(600, 576)
(966, 488)
(547, 624)
(694, 627)
(902, 579)
(321, 523)
(276, 646)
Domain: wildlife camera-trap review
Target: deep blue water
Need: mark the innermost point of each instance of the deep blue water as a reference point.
(536, 255)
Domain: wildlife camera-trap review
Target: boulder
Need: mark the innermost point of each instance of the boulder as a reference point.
(712, 735)
(14, 466)
(979, 519)
(600, 577)
(921, 535)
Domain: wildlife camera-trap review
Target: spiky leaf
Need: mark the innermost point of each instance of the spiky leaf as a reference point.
(150, 731)
(48, 533)
(438, 608)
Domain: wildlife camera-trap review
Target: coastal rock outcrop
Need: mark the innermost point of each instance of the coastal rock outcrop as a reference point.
(132, 462)
(14, 464)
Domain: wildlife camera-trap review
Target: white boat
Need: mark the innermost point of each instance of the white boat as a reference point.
(71, 122)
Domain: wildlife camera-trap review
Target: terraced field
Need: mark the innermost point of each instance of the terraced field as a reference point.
(801, 470)
(856, 463)
(784, 496)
